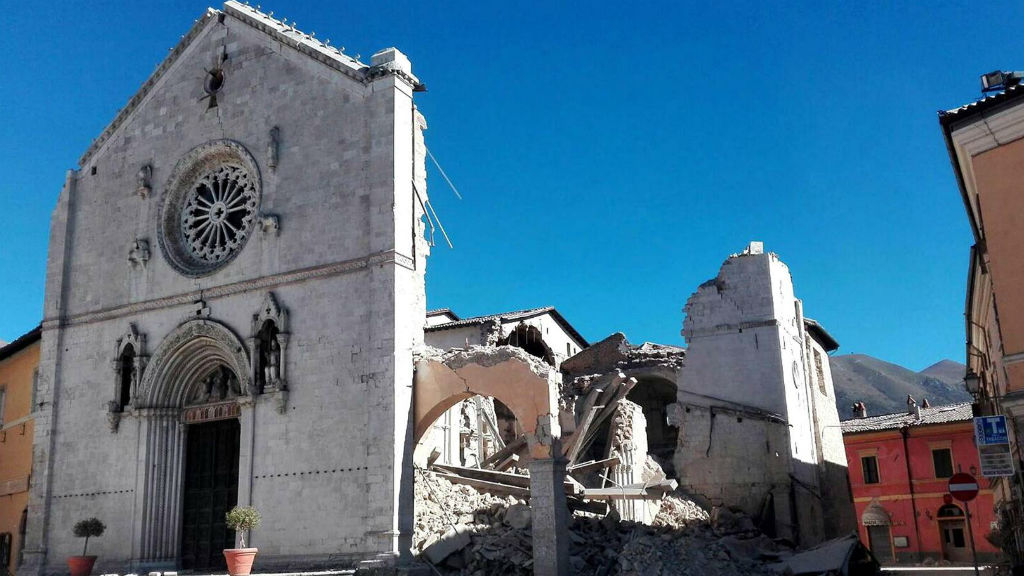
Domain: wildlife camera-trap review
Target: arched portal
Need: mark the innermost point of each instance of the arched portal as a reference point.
(876, 521)
(953, 533)
(654, 395)
(529, 388)
(194, 409)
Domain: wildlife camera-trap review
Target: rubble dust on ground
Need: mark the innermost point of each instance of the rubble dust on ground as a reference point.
(461, 531)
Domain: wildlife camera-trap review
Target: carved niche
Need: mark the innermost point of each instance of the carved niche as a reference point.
(269, 344)
(129, 363)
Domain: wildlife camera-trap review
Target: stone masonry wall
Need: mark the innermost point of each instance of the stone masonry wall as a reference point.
(347, 264)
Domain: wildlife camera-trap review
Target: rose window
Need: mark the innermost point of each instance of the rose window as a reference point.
(218, 213)
(210, 207)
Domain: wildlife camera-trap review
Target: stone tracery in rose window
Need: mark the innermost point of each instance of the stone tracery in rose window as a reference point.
(218, 213)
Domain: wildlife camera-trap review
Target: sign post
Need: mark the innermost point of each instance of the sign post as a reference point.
(993, 441)
(964, 488)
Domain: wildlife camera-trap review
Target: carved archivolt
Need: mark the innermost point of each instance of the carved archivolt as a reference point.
(187, 356)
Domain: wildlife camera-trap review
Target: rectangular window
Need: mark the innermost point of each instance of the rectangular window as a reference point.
(942, 458)
(869, 465)
(3, 396)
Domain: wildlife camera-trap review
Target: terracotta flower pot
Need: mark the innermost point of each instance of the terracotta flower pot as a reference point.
(240, 560)
(81, 565)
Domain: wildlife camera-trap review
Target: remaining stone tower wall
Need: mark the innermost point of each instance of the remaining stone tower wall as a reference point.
(749, 409)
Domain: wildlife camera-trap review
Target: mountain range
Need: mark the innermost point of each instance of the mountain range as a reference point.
(883, 386)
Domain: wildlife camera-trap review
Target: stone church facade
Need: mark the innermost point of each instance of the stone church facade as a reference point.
(258, 202)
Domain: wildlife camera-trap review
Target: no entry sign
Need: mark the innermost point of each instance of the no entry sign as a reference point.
(963, 487)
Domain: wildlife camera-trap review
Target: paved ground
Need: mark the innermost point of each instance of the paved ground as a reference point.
(944, 571)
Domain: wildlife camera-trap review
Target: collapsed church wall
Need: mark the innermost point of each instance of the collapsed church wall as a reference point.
(318, 155)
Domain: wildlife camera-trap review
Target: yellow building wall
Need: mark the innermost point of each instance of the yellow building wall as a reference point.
(16, 377)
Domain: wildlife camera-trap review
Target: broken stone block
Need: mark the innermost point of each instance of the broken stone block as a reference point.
(518, 516)
(452, 541)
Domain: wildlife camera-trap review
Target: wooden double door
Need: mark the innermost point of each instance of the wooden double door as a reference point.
(211, 490)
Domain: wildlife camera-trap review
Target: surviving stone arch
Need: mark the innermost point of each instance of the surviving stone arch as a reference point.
(530, 389)
(524, 385)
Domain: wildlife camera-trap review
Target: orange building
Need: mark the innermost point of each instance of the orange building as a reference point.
(900, 465)
(19, 362)
(985, 140)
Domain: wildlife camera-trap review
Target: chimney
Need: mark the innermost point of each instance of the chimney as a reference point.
(911, 404)
(860, 410)
(917, 412)
(926, 404)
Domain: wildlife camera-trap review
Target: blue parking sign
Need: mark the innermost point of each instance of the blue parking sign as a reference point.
(990, 430)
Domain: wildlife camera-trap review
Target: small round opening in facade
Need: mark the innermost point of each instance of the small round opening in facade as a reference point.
(214, 81)
(210, 207)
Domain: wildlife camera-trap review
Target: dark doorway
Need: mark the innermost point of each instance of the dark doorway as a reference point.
(880, 543)
(211, 489)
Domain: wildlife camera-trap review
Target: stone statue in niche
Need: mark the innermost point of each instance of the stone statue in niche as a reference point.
(269, 344)
(268, 363)
(272, 371)
(129, 366)
(217, 386)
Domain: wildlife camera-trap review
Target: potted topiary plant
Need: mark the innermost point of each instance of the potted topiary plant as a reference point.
(82, 565)
(241, 519)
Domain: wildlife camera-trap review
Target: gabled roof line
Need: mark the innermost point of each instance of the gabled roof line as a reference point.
(147, 86)
(442, 311)
(514, 315)
(280, 31)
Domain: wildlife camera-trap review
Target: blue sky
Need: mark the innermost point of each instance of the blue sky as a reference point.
(611, 155)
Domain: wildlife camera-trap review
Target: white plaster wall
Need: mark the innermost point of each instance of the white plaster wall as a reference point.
(458, 337)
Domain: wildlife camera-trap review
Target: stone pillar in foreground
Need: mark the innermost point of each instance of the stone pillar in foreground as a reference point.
(550, 517)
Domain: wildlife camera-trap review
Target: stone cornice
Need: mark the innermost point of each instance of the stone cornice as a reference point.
(265, 282)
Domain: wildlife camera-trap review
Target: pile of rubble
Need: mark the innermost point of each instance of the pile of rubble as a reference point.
(465, 532)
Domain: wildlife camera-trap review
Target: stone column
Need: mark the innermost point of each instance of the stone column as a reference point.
(550, 517)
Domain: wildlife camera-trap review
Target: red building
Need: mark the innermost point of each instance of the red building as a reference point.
(900, 466)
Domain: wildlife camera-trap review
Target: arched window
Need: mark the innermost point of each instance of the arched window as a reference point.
(529, 339)
(126, 373)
